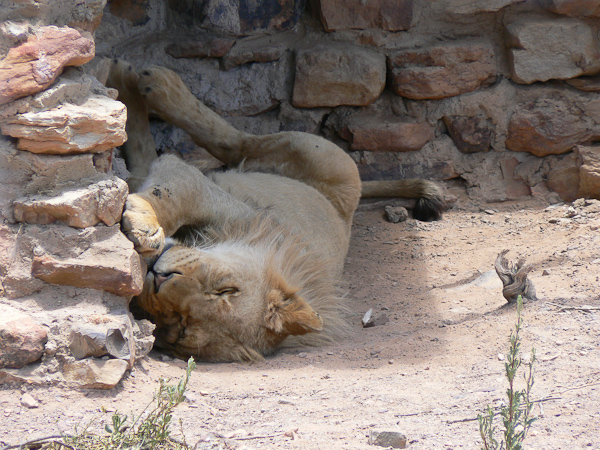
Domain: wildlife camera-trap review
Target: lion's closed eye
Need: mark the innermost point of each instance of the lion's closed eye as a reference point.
(226, 291)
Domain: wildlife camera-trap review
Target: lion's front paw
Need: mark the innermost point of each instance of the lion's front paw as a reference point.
(165, 92)
(141, 226)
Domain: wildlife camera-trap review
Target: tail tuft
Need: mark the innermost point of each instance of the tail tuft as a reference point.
(429, 209)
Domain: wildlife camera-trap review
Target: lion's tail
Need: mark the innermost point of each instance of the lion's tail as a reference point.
(430, 196)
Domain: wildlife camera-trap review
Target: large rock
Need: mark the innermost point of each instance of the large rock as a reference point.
(443, 70)
(470, 133)
(96, 125)
(24, 173)
(80, 206)
(336, 75)
(255, 50)
(470, 7)
(21, 338)
(542, 48)
(573, 8)
(110, 334)
(34, 65)
(245, 17)
(203, 46)
(95, 374)
(136, 11)
(589, 172)
(390, 15)
(549, 127)
(98, 258)
(82, 14)
(437, 160)
(387, 135)
(587, 84)
(563, 176)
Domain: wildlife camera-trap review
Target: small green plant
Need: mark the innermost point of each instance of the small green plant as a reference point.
(516, 415)
(148, 431)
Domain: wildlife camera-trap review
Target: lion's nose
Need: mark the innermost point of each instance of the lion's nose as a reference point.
(160, 278)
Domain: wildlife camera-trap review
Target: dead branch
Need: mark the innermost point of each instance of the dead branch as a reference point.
(514, 278)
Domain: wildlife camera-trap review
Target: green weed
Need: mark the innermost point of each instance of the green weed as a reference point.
(516, 415)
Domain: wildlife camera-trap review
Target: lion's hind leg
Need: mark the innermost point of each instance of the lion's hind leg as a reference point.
(140, 150)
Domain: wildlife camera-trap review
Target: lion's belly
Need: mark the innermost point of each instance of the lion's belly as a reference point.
(304, 209)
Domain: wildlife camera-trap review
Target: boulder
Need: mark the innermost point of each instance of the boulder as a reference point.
(437, 160)
(563, 176)
(247, 17)
(96, 125)
(388, 135)
(443, 70)
(21, 338)
(543, 48)
(589, 172)
(573, 8)
(587, 84)
(110, 334)
(24, 173)
(471, 7)
(250, 52)
(135, 11)
(336, 75)
(80, 206)
(548, 126)
(98, 258)
(389, 15)
(36, 63)
(95, 374)
(470, 133)
(204, 46)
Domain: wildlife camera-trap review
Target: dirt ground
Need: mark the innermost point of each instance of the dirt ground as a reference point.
(426, 372)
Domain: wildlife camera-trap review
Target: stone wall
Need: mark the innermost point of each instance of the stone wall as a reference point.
(67, 272)
(497, 98)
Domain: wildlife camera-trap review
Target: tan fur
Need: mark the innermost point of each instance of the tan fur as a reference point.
(261, 247)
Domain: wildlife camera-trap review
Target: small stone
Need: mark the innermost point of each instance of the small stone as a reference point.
(28, 401)
(570, 212)
(302, 355)
(500, 357)
(391, 439)
(396, 214)
(545, 272)
(368, 319)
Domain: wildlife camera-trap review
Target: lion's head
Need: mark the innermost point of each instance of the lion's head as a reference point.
(226, 301)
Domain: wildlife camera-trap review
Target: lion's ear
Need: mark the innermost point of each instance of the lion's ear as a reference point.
(290, 314)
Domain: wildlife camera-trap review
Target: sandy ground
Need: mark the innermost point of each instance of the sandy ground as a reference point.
(426, 372)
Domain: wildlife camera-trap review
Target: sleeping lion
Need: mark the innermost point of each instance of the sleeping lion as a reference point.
(243, 259)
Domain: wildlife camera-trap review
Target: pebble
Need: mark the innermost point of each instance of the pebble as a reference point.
(28, 401)
(393, 439)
